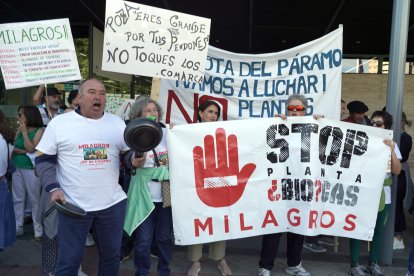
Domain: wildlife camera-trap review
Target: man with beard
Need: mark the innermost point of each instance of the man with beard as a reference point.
(50, 108)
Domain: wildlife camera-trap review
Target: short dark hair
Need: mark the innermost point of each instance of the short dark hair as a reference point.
(204, 105)
(72, 95)
(32, 114)
(387, 117)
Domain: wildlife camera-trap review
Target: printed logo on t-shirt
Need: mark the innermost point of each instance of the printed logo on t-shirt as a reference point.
(94, 153)
(162, 157)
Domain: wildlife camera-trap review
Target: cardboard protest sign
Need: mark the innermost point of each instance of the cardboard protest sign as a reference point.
(37, 52)
(154, 42)
(257, 86)
(252, 177)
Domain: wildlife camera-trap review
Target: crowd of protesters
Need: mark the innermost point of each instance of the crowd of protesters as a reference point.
(56, 153)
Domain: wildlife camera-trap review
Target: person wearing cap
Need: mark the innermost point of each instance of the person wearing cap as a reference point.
(357, 110)
(50, 108)
(73, 100)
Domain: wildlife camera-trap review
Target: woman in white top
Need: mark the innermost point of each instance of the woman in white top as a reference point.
(381, 119)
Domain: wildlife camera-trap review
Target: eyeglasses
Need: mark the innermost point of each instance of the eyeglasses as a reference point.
(377, 123)
(296, 107)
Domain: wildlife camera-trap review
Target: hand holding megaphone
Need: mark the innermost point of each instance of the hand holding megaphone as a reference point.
(138, 161)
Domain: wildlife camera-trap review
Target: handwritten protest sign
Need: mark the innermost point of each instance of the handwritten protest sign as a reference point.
(37, 52)
(257, 86)
(153, 42)
(258, 176)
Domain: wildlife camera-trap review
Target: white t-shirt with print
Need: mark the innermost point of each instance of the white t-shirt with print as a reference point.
(88, 153)
(387, 189)
(162, 153)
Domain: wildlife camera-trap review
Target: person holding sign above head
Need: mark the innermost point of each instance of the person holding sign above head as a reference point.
(296, 105)
(381, 119)
(208, 111)
(50, 107)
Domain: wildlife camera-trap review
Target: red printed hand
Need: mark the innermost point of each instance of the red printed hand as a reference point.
(220, 184)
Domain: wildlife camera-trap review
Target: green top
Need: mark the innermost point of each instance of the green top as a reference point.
(139, 204)
(22, 161)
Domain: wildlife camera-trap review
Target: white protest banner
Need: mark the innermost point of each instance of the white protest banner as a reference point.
(37, 52)
(149, 41)
(257, 86)
(252, 177)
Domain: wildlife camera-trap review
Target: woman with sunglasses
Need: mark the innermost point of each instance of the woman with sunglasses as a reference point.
(381, 119)
(296, 105)
(208, 111)
(24, 181)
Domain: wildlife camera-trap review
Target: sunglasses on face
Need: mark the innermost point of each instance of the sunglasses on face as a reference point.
(377, 123)
(296, 107)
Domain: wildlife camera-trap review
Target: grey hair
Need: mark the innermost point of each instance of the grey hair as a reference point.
(137, 108)
(297, 97)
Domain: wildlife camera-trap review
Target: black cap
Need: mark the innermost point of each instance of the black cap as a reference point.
(52, 91)
(72, 95)
(357, 107)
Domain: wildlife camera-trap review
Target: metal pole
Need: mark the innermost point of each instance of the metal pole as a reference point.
(395, 92)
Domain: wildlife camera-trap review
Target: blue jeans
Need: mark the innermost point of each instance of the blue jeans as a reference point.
(72, 233)
(160, 221)
(411, 260)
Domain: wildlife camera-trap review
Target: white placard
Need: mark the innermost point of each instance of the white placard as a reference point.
(257, 86)
(37, 52)
(252, 177)
(149, 41)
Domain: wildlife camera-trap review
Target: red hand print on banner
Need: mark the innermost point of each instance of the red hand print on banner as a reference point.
(220, 184)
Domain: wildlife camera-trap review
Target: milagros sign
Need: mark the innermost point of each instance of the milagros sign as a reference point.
(37, 52)
(154, 42)
(257, 86)
(252, 177)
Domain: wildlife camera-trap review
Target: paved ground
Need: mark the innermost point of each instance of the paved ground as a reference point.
(242, 255)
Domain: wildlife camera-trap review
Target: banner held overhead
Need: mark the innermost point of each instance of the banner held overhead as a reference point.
(257, 86)
(37, 52)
